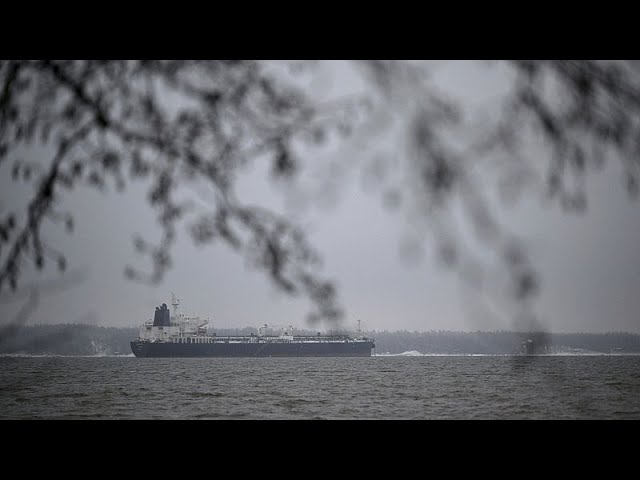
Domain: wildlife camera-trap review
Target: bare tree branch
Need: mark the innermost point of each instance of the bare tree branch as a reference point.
(175, 123)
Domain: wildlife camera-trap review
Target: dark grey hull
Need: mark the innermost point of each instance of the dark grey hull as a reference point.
(221, 349)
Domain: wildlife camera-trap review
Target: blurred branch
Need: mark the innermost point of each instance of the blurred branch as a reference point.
(177, 122)
(253, 116)
(9, 330)
(37, 209)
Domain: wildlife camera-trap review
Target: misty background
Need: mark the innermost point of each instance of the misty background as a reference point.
(387, 272)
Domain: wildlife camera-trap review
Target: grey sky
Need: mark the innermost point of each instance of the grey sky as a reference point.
(589, 263)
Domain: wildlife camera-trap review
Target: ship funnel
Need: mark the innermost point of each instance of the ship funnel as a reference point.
(162, 317)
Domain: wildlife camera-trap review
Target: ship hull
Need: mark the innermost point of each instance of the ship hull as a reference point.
(221, 349)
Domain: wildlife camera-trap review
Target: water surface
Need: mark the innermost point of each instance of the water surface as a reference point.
(393, 387)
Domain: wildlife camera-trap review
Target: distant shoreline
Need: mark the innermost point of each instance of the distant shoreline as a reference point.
(91, 341)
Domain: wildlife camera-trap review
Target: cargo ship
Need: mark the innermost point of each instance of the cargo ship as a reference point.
(178, 335)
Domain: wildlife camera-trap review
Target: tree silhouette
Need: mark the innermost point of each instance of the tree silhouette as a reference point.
(183, 122)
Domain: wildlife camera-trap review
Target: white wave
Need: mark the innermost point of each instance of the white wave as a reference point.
(410, 353)
(415, 353)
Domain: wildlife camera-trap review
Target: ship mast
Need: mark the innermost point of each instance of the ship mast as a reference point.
(175, 302)
(359, 327)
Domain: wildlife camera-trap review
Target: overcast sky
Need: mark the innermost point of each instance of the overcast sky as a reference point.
(589, 264)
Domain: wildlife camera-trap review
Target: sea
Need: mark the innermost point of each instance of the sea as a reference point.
(408, 386)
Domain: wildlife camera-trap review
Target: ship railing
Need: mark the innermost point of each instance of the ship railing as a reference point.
(272, 339)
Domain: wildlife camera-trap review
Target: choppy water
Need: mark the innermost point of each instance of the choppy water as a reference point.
(393, 387)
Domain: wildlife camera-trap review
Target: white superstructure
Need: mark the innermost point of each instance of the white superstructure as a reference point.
(179, 326)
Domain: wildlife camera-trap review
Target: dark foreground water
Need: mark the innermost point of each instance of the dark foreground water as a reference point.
(561, 387)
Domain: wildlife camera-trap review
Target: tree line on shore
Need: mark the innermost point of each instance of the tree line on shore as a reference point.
(78, 339)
